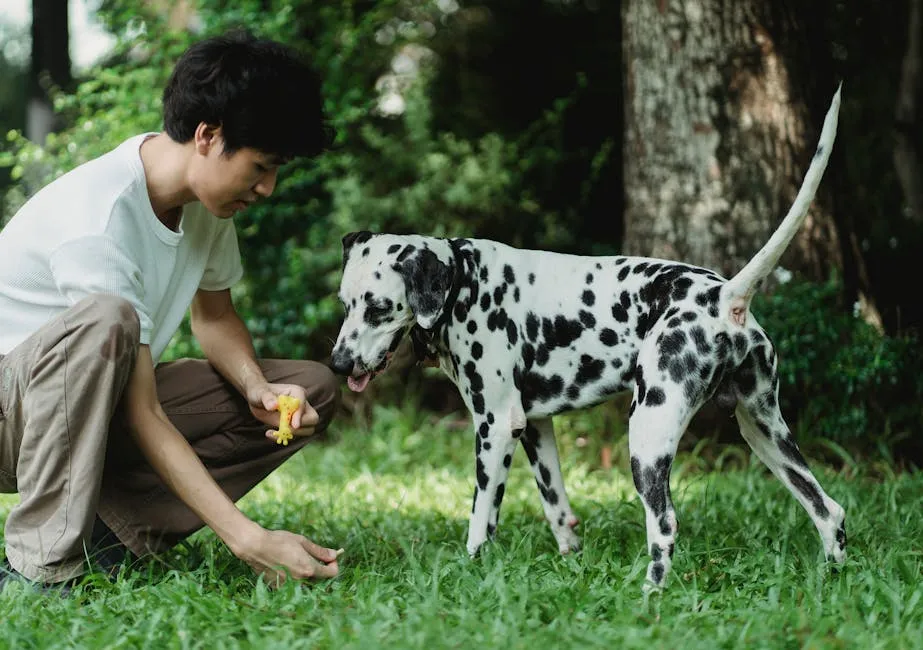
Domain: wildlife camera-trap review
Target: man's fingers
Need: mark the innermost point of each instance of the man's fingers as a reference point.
(305, 417)
(322, 553)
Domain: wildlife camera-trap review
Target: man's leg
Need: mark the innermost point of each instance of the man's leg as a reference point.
(135, 503)
(58, 392)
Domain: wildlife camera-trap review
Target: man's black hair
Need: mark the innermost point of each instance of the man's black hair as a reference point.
(260, 92)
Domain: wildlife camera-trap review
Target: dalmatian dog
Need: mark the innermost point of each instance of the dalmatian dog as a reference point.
(528, 334)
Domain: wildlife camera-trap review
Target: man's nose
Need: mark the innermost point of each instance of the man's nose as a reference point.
(267, 183)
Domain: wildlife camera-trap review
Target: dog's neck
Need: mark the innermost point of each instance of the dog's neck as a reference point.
(432, 345)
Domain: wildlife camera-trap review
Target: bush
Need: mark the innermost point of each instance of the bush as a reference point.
(840, 378)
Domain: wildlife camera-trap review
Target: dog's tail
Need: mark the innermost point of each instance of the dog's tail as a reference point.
(737, 292)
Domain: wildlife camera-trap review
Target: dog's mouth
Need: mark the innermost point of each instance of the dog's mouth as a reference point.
(358, 383)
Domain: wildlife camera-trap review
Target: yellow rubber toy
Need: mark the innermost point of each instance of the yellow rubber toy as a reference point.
(287, 406)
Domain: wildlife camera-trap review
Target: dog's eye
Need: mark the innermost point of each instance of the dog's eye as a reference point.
(378, 313)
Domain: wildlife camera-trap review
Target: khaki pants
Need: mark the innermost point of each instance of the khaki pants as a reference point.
(64, 449)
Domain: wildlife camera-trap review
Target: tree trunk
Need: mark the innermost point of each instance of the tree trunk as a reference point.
(908, 159)
(50, 66)
(717, 137)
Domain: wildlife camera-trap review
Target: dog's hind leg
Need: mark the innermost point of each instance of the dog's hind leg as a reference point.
(653, 434)
(539, 443)
(495, 443)
(764, 429)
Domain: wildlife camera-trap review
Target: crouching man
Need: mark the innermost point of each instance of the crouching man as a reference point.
(108, 449)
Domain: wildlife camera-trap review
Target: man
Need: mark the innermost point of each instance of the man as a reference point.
(97, 271)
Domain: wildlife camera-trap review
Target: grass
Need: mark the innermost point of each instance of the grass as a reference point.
(748, 570)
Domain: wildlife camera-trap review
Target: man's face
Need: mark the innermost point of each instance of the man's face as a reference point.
(226, 184)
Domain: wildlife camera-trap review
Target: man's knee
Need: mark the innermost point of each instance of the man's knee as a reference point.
(115, 326)
(323, 389)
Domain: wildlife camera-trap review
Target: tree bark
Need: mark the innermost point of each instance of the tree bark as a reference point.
(50, 65)
(717, 138)
(908, 160)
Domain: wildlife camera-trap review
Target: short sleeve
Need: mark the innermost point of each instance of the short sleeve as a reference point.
(224, 268)
(95, 264)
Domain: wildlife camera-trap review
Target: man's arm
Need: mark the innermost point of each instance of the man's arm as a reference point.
(227, 345)
(177, 464)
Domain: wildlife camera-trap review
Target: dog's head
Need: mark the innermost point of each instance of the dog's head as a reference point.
(390, 283)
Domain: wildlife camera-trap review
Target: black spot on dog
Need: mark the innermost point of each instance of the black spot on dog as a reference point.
(624, 273)
(536, 388)
(673, 343)
(507, 460)
(499, 293)
(590, 369)
(477, 350)
(498, 497)
(477, 403)
(528, 356)
(807, 488)
(508, 274)
(408, 249)
(475, 381)
(640, 383)
(512, 334)
(393, 248)
(655, 397)
(657, 573)
(588, 319)
(701, 340)
(460, 312)
(531, 326)
(653, 484)
(608, 337)
(481, 475)
(588, 298)
(789, 449)
(589, 278)
(561, 331)
(472, 326)
(531, 278)
(377, 313)
(485, 302)
(483, 430)
(516, 294)
(483, 274)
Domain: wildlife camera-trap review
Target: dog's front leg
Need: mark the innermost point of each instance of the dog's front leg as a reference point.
(539, 444)
(494, 447)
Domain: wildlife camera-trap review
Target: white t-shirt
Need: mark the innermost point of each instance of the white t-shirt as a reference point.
(93, 231)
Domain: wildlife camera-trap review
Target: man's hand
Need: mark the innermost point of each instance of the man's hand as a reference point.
(262, 400)
(277, 555)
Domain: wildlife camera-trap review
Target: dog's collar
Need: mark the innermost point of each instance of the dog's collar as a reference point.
(422, 339)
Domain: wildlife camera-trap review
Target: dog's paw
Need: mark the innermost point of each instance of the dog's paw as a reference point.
(568, 540)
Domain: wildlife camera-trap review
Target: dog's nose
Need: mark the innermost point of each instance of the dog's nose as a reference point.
(341, 362)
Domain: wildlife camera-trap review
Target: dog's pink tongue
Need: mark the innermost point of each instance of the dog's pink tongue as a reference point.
(358, 384)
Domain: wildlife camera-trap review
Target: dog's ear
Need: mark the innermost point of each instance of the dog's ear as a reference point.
(427, 281)
(353, 238)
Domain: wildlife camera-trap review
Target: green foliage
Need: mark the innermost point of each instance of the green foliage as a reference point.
(748, 572)
(387, 173)
(843, 378)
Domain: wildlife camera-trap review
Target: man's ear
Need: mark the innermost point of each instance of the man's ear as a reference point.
(427, 281)
(351, 239)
